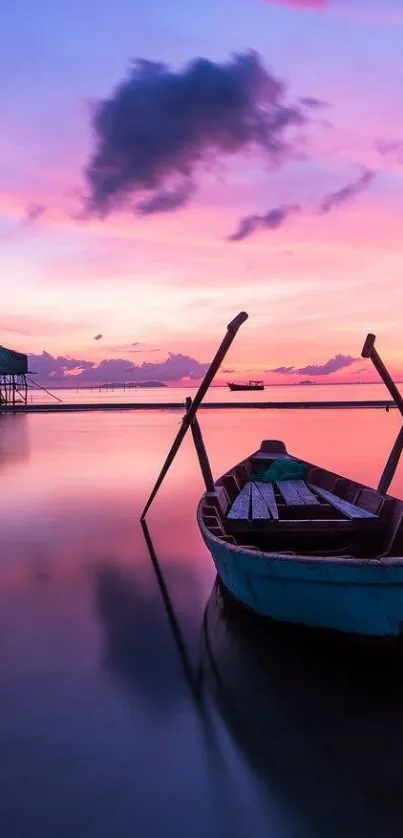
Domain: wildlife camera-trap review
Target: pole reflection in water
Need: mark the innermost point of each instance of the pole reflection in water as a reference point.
(223, 780)
(192, 677)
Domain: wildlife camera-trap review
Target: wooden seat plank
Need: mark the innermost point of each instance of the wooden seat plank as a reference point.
(259, 506)
(349, 509)
(305, 493)
(294, 489)
(267, 492)
(290, 493)
(241, 505)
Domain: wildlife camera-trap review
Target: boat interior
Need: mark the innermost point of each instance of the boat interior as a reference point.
(322, 514)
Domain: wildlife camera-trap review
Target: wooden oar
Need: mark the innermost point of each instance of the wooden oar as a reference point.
(369, 351)
(232, 329)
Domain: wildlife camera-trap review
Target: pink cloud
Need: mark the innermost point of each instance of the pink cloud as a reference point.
(302, 4)
(28, 326)
(383, 12)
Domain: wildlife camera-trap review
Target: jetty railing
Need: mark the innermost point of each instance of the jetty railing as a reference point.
(66, 407)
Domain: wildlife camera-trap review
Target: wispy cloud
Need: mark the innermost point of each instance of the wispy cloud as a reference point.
(391, 148)
(143, 351)
(313, 102)
(276, 217)
(283, 370)
(270, 221)
(33, 326)
(302, 4)
(335, 364)
(383, 11)
(347, 193)
(32, 212)
(98, 337)
(160, 127)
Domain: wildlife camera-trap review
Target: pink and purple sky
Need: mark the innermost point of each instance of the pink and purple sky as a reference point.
(252, 160)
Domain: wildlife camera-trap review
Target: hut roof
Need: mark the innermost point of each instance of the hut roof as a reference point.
(12, 363)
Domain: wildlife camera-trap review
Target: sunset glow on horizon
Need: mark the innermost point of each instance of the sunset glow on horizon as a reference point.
(143, 206)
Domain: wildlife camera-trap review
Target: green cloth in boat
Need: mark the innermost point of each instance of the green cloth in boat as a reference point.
(281, 469)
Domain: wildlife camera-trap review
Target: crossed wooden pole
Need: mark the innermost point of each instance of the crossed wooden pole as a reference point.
(369, 351)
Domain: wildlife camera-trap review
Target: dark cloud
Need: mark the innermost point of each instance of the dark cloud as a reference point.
(33, 211)
(160, 127)
(335, 364)
(166, 200)
(174, 368)
(334, 199)
(98, 337)
(271, 221)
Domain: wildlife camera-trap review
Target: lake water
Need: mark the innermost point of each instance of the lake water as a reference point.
(100, 733)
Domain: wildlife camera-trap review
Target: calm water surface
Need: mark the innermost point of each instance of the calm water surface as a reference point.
(158, 395)
(100, 734)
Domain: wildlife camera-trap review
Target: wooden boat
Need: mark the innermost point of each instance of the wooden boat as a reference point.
(251, 385)
(323, 551)
(318, 549)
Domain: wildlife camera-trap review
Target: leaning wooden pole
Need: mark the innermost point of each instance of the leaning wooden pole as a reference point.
(388, 473)
(232, 330)
(392, 464)
(198, 440)
(369, 351)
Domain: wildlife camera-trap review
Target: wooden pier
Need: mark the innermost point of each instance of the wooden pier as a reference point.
(64, 407)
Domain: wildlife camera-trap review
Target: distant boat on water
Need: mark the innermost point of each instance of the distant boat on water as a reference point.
(250, 385)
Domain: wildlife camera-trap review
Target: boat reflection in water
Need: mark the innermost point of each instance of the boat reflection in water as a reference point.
(319, 722)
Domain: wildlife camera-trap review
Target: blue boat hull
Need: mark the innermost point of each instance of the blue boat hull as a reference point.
(353, 596)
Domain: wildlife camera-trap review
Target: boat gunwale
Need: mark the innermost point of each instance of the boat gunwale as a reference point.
(294, 558)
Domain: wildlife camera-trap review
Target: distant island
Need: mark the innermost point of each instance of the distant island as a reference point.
(304, 383)
(131, 385)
